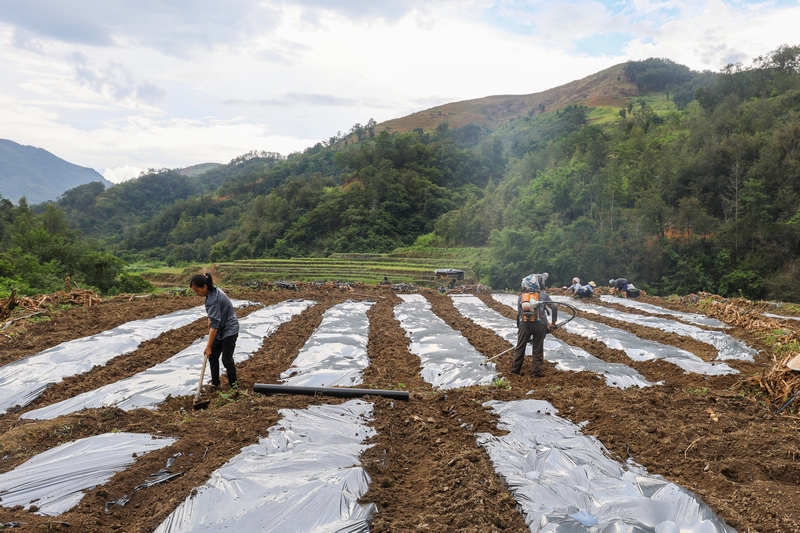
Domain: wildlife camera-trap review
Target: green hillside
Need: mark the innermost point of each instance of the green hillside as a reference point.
(680, 181)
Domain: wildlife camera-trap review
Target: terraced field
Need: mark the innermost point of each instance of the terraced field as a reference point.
(364, 268)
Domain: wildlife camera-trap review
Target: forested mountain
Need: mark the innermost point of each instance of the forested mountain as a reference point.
(678, 180)
(37, 174)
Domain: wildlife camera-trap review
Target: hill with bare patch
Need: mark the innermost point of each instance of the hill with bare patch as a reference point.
(604, 88)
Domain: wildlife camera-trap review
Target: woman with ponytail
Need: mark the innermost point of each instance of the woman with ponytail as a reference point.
(223, 327)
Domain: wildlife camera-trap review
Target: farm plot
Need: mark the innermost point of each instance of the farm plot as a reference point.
(428, 471)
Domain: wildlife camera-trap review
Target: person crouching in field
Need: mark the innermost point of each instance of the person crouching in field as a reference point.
(223, 327)
(576, 290)
(622, 287)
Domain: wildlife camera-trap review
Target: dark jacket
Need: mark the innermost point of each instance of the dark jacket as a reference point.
(621, 284)
(543, 297)
(221, 314)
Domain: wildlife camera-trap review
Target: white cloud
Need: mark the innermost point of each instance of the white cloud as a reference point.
(172, 83)
(712, 34)
(120, 174)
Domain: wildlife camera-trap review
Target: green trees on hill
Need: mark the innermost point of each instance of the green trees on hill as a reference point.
(110, 213)
(692, 186)
(657, 74)
(382, 194)
(38, 251)
(704, 199)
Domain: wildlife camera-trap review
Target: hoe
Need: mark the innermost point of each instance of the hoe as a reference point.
(568, 306)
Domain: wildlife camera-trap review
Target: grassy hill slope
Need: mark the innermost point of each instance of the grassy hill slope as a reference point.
(605, 88)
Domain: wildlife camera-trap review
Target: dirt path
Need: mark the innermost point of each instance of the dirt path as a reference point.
(428, 474)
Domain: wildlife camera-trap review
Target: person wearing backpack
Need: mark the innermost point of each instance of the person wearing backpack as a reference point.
(532, 324)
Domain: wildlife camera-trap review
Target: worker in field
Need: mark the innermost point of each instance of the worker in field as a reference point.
(223, 328)
(573, 289)
(576, 290)
(590, 288)
(622, 287)
(532, 325)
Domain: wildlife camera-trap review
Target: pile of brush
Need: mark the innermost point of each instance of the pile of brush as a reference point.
(20, 305)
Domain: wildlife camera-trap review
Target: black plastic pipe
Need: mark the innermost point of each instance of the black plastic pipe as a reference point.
(337, 392)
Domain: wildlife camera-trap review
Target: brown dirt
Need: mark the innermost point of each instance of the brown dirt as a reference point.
(428, 474)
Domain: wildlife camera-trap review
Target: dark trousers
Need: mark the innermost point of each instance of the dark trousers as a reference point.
(537, 332)
(225, 348)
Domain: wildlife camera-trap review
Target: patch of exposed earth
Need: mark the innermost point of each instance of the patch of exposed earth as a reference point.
(428, 473)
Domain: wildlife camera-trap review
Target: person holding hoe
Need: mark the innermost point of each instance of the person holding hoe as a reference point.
(532, 324)
(223, 328)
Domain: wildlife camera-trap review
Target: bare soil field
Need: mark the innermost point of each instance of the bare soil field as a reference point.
(709, 434)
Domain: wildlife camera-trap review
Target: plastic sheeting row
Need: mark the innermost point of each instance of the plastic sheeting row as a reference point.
(23, 381)
(448, 360)
(336, 352)
(635, 348)
(781, 317)
(727, 347)
(304, 476)
(54, 481)
(565, 357)
(177, 376)
(692, 318)
(565, 482)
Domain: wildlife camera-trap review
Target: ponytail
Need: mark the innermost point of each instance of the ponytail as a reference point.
(202, 280)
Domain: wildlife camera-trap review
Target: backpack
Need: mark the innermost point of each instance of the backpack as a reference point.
(531, 308)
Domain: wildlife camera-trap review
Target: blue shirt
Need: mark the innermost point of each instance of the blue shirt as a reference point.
(221, 314)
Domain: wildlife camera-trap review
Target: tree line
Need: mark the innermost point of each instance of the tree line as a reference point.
(697, 195)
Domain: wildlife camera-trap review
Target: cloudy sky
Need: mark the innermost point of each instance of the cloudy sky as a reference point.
(126, 85)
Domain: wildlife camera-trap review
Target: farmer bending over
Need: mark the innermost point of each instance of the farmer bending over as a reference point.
(622, 287)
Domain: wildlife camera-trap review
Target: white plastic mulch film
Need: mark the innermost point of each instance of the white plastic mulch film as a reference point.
(23, 381)
(566, 357)
(336, 353)
(727, 347)
(781, 317)
(448, 359)
(178, 375)
(55, 480)
(692, 318)
(641, 349)
(565, 482)
(305, 476)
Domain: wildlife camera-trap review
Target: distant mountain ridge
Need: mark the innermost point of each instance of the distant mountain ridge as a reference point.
(608, 87)
(38, 175)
